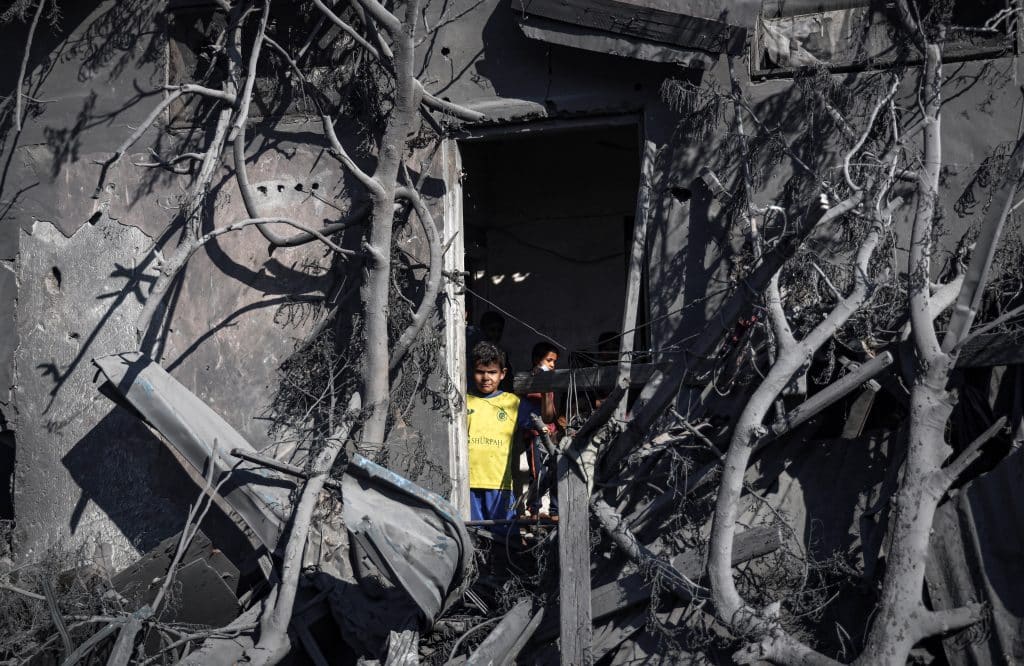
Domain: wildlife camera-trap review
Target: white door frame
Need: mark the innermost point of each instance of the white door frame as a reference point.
(454, 263)
(455, 321)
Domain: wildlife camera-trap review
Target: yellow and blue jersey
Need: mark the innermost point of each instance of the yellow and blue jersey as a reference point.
(494, 422)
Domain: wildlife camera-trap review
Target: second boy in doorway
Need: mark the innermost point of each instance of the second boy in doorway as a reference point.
(543, 358)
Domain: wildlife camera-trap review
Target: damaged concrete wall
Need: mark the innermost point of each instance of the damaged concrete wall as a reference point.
(85, 469)
(82, 469)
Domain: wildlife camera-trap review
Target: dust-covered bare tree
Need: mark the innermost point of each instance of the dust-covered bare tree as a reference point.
(845, 255)
(349, 65)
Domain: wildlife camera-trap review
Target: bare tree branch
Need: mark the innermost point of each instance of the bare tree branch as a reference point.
(959, 465)
(24, 65)
(388, 20)
(375, 289)
(245, 97)
(729, 606)
(927, 192)
(971, 293)
(432, 286)
(346, 28)
(277, 613)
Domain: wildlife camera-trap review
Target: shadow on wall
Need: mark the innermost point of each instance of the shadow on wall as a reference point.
(114, 477)
(7, 449)
(78, 71)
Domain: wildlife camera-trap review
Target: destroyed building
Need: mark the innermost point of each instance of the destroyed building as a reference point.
(589, 174)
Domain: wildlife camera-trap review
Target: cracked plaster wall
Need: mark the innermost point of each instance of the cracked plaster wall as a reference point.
(85, 469)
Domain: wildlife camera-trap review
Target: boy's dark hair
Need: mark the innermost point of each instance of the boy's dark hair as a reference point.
(540, 350)
(486, 353)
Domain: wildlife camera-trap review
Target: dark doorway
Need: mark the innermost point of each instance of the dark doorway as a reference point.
(548, 224)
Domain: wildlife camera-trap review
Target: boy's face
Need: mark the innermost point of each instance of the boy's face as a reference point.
(548, 360)
(487, 376)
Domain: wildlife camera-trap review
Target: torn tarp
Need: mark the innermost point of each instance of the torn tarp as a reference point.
(397, 534)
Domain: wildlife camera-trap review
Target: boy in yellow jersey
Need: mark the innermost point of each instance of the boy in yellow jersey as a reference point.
(495, 418)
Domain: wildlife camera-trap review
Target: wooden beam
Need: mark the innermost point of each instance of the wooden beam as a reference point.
(507, 639)
(832, 393)
(635, 589)
(454, 312)
(599, 378)
(637, 260)
(647, 23)
(576, 628)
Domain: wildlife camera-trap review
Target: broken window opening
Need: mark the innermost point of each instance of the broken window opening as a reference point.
(852, 35)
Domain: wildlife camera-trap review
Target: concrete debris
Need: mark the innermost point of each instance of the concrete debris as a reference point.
(392, 555)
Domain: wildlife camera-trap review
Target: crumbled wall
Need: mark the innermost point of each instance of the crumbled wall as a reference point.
(85, 469)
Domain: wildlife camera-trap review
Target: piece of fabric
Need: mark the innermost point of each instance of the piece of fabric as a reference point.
(492, 424)
(491, 504)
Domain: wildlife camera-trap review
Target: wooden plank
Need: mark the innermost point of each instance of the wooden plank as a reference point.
(603, 378)
(576, 629)
(611, 635)
(634, 589)
(509, 658)
(858, 414)
(541, 128)
(505, 636)
(637, 259)
(455, 319)
(644, 22)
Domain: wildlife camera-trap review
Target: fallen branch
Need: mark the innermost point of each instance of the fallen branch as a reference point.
(281, 466)
(18, 590)
(58, 621)
(277, 612)
(959, 465)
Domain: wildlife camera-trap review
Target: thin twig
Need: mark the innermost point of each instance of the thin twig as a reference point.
(58, 621)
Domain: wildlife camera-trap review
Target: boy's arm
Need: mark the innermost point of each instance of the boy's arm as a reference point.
(548, 411)
(524, 419)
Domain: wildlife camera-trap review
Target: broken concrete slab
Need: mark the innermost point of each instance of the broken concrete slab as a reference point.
(207, 583)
